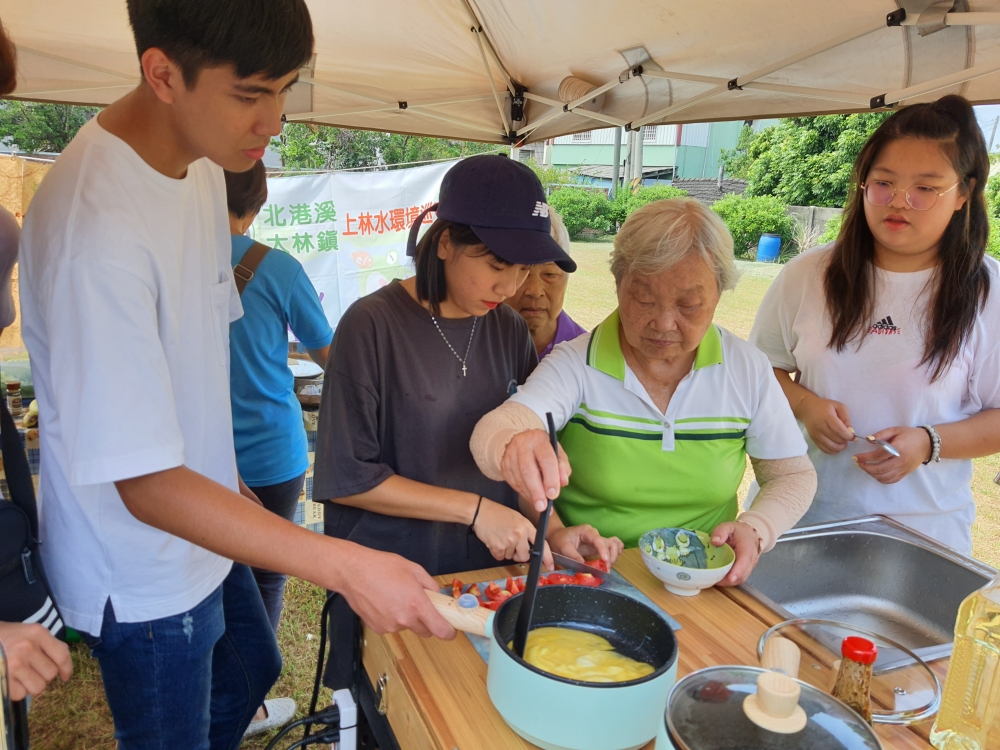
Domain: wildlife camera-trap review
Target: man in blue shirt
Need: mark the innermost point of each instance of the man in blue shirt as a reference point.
(271, 448)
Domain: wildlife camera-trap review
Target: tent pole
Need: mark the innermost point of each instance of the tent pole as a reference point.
(478, 24)
(504, 122)
(300, 116)
(639, 138)
(75, 63)
(895, 97)
(809, 93)
(456, 121)
(582, 112)
(708, 145)
(74, 89)
(616, 161)
(761, 72)
(627, 172)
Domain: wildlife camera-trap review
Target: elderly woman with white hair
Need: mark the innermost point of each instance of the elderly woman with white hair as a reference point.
(658, 407)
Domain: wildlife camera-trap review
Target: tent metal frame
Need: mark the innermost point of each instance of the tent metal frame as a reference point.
(935, 17)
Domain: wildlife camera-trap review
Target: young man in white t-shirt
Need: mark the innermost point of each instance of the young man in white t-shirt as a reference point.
(127, 295)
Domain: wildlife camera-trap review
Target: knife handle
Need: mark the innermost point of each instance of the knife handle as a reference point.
(467, 619)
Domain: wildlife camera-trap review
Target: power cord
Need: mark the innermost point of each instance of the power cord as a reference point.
(329, 717)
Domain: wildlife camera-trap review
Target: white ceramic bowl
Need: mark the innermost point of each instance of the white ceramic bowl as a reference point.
(688, 581)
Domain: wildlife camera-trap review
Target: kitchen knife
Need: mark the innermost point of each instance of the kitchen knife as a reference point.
(578, 567)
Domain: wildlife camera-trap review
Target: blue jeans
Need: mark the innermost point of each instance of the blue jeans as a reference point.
(193, 680)
(283, 500)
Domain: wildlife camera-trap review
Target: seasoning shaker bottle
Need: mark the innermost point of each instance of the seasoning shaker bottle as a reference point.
(14, 398)
(854, 680)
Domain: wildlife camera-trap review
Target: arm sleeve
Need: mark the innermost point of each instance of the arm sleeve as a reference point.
(494, 431)
(787, 487)
(348, 444)
(555, 386)
(305, 313)
(771, 332)
(773, 431)
(102, 324)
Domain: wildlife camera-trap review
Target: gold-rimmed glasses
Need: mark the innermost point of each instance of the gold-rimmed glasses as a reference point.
(918, 197)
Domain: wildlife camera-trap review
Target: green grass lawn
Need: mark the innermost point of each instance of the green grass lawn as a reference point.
(76, 716)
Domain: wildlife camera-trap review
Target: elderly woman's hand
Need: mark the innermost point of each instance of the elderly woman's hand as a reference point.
(531, 469)
(580, 542)
(742, 537)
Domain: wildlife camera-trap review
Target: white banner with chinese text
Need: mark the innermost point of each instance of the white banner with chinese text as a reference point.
(348, 229)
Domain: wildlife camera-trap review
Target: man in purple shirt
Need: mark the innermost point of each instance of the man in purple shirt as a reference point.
(539, 299)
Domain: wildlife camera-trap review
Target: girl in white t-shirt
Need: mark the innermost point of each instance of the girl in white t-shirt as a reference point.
(894, 330)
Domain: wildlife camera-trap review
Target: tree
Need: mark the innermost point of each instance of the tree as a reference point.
(803, 161)
(308, 146)
(41, 127)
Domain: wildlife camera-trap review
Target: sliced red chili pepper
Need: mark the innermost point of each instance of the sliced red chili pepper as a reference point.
(586, 579)
(492, 591)
(456, 588)
(557, 578)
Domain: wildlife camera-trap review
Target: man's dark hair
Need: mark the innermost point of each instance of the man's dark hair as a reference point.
(8, 63)
(268, 37)
(246, 192)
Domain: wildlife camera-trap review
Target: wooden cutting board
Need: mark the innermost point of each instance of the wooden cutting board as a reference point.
(435, 691)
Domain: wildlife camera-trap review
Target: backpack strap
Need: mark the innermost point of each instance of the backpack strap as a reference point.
(244, 271)
(18, 474)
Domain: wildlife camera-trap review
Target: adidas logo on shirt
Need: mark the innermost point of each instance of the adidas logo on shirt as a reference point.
(885, 327)
(541, 209)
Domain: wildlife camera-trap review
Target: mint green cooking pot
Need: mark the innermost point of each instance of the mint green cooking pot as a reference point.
(556, 713)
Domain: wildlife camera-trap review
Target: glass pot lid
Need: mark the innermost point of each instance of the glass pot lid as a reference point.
(705, 712)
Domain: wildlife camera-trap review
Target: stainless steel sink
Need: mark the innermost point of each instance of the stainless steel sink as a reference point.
(873, 573)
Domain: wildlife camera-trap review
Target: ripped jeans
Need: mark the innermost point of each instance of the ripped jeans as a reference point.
(193, 680)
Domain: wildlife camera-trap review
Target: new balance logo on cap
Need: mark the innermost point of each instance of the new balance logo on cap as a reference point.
(885, 327)
(541, 209)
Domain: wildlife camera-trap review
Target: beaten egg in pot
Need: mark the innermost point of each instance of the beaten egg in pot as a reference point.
(579, 655)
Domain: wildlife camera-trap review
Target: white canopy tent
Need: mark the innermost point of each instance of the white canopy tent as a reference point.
(508, 71)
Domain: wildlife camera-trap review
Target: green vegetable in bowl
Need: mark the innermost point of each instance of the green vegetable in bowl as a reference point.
(684, 547)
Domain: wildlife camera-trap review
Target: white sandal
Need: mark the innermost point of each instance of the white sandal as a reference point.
(280, 711)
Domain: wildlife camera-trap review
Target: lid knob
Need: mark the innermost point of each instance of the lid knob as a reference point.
(775, 706)
(781, 655)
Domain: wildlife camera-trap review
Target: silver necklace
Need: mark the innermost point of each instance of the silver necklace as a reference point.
(467, 348)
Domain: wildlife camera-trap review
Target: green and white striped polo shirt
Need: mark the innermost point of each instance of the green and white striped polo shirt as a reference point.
(636, 469)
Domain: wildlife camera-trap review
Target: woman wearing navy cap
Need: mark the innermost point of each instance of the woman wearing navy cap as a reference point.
(414, 366)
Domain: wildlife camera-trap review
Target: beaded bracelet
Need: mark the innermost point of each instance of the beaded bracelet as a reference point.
(935, 444)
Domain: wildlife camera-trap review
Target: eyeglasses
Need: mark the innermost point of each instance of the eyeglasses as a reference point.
(919, 197)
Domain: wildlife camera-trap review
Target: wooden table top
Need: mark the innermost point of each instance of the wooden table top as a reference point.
(436, 695)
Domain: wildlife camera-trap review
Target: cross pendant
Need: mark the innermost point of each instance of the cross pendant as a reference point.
(463, 370)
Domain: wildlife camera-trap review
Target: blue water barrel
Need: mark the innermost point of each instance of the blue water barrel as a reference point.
(768, 248)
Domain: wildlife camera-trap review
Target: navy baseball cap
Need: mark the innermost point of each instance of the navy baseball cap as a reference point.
(504, 204)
